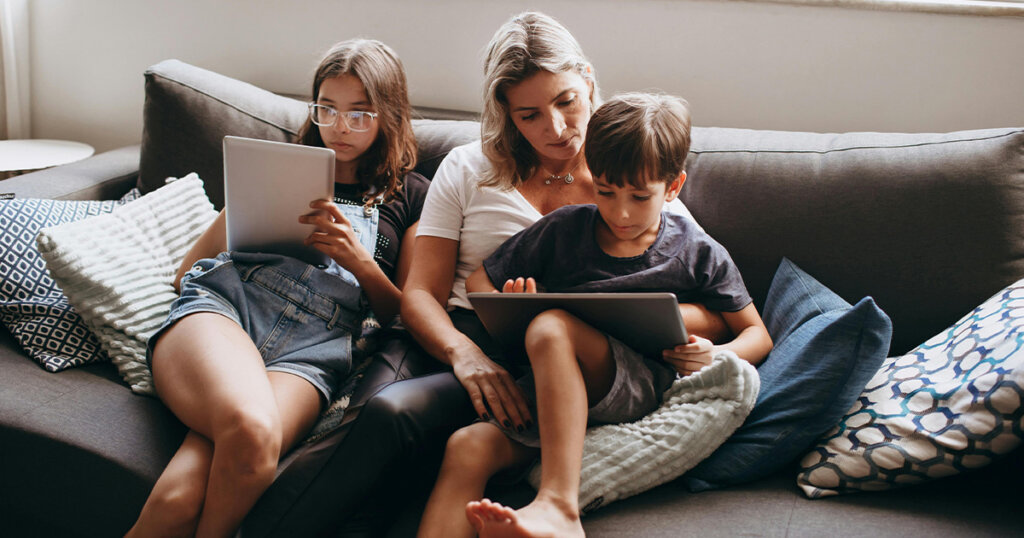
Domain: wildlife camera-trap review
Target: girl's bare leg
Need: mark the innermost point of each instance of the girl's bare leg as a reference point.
(570, 361)
(174, 505)
(210, 374)
(473, 454)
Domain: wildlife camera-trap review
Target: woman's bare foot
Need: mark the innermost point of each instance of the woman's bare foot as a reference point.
(541, 518)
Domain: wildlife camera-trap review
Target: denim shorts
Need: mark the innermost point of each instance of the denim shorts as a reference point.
(301, 318)
(636, 391)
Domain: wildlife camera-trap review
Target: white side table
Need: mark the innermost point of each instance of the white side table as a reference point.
(18, 156)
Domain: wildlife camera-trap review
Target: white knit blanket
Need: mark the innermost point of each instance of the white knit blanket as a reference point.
(699, 413)
(117, 268)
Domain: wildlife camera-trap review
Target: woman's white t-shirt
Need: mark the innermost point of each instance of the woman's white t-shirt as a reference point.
(479, 218)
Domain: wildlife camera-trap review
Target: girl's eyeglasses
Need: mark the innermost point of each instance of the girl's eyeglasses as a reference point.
(327, 116)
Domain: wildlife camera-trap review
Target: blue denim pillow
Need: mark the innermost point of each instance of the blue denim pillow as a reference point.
(825, 352)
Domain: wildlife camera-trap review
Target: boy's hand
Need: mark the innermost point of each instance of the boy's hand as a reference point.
(520, 285)
(333, 235)
(690, 357)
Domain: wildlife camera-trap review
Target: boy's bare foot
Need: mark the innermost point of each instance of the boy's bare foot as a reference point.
(541, 518)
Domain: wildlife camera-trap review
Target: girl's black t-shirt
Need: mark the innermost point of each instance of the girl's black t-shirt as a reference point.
(396, 216)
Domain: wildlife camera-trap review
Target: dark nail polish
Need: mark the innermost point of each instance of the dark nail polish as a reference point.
(507, 423)
(529, 424)
(485, 416)
(519, 428)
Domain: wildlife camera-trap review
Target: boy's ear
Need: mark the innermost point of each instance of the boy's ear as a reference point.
(675, 187)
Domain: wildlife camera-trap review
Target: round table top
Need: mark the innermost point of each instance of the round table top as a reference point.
(34, 154)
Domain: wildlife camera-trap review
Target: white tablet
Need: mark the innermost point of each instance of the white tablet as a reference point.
(267, 186)
(646, 322)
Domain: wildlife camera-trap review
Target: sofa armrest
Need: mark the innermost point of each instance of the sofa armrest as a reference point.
(105, 176)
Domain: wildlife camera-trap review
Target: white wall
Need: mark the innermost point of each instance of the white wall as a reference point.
(740, 64)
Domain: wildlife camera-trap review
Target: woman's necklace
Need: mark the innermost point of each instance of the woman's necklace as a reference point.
(567, 177)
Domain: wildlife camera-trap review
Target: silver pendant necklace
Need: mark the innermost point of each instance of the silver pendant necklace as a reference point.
(567, 178)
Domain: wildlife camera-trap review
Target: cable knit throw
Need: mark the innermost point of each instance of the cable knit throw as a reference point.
(117, 268)
(699, 413)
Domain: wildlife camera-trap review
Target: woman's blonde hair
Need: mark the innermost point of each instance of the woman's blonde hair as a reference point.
(393, 154)
(528, 43)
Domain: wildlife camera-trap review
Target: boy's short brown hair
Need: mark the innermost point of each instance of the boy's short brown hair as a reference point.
(638, 137)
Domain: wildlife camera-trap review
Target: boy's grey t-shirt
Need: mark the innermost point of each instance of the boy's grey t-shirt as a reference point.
(561, 253)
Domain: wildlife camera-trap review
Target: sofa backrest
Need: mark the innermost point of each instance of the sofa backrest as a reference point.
(189, 110)
(930, 225)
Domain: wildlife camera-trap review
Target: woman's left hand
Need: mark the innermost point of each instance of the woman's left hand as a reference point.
(690, 357)
(333, 235)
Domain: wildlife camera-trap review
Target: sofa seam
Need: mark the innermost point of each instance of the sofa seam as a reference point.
(855, 148)
(222, 101)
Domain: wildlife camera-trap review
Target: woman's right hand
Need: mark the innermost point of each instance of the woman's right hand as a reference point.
(489, 386)
(491, 389)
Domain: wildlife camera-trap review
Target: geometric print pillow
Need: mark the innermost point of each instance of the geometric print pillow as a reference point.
(950, 405)
(32, 306)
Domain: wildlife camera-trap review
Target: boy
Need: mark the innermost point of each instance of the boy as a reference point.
(636, 148)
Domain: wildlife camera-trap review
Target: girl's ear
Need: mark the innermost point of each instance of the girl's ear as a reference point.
(673, 188)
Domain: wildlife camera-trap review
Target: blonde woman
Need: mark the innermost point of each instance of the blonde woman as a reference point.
(540, 92)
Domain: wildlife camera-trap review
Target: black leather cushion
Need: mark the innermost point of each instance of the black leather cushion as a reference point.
(928, 224)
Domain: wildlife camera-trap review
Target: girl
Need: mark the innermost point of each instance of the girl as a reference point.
(256, 345)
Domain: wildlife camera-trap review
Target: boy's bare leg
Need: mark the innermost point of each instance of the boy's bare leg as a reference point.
(570, 361)
(473, 454)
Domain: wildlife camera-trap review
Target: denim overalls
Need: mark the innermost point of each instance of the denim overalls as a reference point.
(302, 318)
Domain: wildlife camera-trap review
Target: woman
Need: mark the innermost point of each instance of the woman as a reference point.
(539, 93)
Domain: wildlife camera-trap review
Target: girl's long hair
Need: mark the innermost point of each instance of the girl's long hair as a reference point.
(393, 154)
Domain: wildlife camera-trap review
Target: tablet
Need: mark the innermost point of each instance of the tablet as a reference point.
(646, 322)
(267, 186)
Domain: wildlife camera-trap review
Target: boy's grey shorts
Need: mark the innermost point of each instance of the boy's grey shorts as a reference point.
(636, 391)
(301, 319)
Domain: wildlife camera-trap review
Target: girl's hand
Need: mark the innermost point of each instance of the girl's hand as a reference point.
(691, 357)
(333, 235)
(520, 285)
(491, 388)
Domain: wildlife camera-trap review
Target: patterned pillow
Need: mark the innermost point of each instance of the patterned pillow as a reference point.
(116, 269)
(32, 306)
(951, 404)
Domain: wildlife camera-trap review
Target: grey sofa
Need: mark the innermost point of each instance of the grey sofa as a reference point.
(929, 225)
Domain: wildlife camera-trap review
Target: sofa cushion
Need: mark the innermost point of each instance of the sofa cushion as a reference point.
(697, 414)
(189, 110)
(825, 351)
(80, 451)
(187, 113)
(32, 306)
(950, 405)
(927, 224)
(117, 269)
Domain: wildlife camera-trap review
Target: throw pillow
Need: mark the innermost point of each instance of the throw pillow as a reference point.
(950, 405)
(117, 268)
(698, 412)
(825, 351)
(32, 306)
